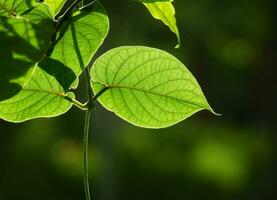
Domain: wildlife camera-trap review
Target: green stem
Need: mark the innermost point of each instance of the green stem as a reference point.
(86, 145)
(95, 97)
(89, 89)
(89, 105)
(86, 133)
(76, 103)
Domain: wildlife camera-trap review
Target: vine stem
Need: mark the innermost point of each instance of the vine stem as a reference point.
(90, 105)
(86, 146)
(76, 103)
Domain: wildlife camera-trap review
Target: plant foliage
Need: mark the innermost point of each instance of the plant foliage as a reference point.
(146, 86)
(46, 46)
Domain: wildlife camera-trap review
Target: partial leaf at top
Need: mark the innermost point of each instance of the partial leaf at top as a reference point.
(78, 41)
(163, 10)
(147, 87)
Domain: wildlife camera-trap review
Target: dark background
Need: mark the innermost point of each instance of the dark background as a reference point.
(230, 46)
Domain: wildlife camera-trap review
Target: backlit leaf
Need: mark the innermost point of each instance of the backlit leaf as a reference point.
(147, 87)
(26, 90)
(24, 40)
(40, 96)
(79, 39)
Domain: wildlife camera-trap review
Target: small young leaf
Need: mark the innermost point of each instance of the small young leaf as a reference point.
(164, 11)
(147, 87)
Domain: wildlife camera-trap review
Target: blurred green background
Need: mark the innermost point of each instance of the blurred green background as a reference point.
(231, 47)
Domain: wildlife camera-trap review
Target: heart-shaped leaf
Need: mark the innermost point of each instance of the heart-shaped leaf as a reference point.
(147, 87)
(78, 41)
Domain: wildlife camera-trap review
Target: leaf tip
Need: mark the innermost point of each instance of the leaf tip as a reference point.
(213, 112)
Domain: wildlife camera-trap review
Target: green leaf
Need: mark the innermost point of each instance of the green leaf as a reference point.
(34, 84)
(55, 5)
(79, 40)
(25, 39)
(147, 87)
(40, 96)
(164, 11)
(27, 91)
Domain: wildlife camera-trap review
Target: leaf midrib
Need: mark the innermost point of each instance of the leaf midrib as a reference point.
(24, 88)
(165, 17)
(60, 94)
(149, 92)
